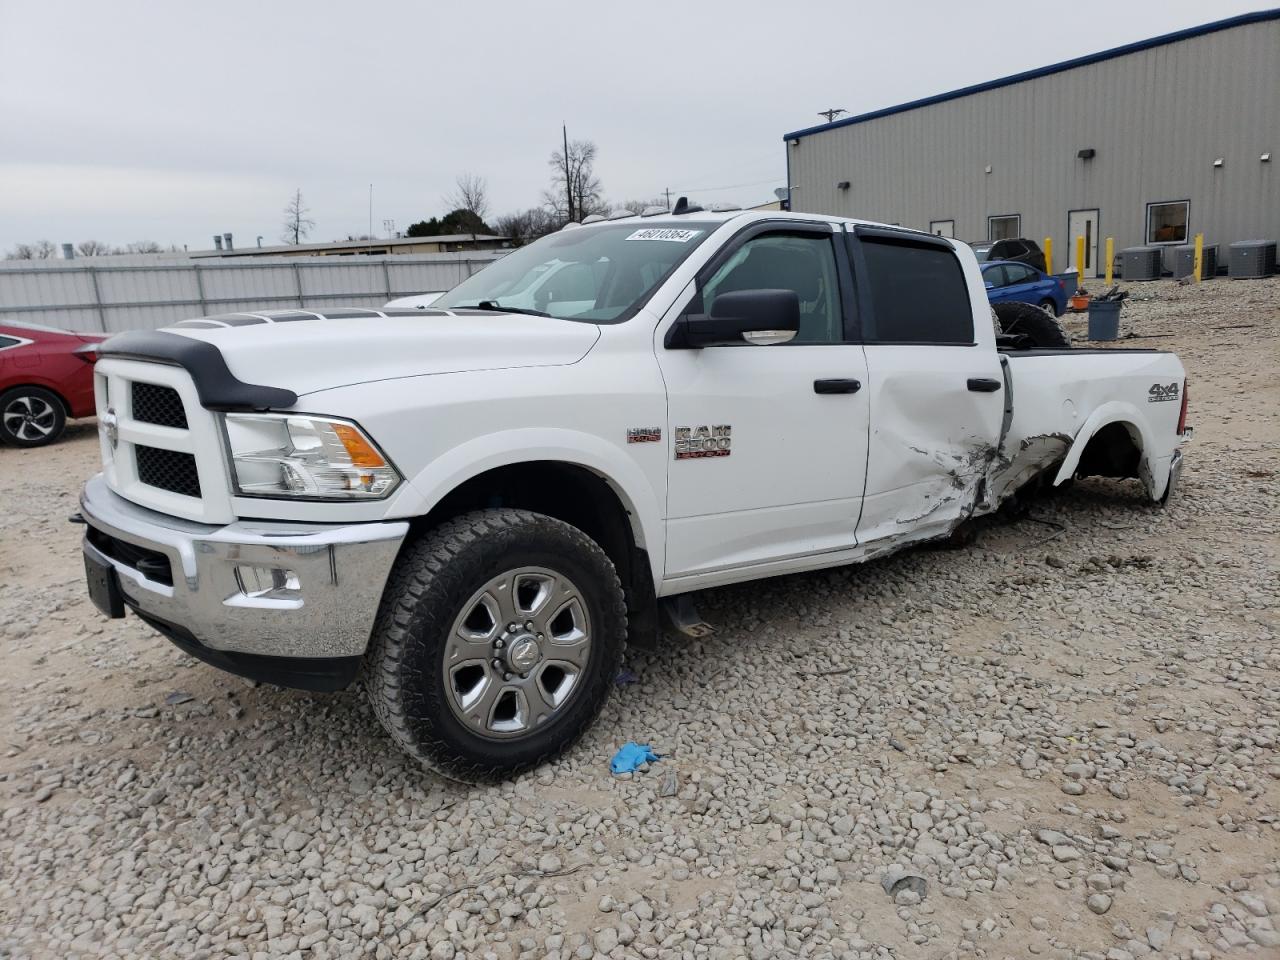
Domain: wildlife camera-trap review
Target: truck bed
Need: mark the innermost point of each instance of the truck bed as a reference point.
(1117, 397)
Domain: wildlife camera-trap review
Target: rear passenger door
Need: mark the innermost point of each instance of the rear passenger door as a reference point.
(1020, 284)
(936, 388)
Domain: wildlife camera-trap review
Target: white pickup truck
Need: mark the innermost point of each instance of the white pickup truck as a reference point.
(474, 507)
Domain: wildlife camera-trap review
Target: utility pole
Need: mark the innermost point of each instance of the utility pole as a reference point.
(832, 113)
(667, 192)
(568, 181)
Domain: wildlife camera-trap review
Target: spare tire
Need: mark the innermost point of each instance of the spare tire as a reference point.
(1038, 330)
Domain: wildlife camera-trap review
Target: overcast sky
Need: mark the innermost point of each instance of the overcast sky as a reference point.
(170, 121)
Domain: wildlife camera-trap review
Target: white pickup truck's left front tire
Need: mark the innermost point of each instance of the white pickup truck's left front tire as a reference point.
(496, 644)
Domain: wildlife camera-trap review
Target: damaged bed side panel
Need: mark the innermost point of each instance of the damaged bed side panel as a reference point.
(1062, 400)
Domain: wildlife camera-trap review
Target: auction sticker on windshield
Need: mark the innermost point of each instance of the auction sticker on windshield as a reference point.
(670, 234)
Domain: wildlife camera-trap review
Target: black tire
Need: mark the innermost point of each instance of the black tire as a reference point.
(434, 579)
(1039, 330)
(31, 417)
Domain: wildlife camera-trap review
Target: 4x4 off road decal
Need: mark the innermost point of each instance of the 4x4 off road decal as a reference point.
(694, 443)
(644, 434)
(1161, 392)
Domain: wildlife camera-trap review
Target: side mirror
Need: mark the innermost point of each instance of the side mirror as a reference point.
(754, 316)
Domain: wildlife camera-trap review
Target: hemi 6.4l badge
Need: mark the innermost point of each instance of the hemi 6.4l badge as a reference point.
(694, 443)
(644, 434)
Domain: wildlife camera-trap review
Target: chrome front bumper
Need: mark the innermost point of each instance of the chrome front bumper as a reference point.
(262, 588)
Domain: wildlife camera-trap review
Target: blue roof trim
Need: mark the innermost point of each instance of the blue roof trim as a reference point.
(1245, 18)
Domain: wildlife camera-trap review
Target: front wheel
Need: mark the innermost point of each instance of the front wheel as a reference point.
(497, 642)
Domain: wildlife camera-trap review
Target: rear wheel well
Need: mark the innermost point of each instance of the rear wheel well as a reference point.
(575, 495)
(1113, 451)
(66, 407)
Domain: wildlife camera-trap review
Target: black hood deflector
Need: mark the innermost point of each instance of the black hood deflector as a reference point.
(215, 383)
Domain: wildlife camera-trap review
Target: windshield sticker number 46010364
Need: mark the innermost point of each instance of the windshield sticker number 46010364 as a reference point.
(669, 234)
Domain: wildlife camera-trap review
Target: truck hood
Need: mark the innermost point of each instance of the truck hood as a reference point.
(305, 352)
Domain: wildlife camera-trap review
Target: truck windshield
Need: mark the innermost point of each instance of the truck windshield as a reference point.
(595, 274)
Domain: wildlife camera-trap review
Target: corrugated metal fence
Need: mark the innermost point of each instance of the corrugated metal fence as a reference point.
(93, 296)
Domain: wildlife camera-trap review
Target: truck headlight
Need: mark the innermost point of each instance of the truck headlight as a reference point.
(299, 455)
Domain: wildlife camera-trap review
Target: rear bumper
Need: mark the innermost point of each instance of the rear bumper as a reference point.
(1175, 476)
(248, 589)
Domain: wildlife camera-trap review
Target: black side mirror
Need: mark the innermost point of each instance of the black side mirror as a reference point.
(753, 316)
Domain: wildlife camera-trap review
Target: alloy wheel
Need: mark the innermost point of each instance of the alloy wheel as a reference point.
(29, 418)
(516, 653)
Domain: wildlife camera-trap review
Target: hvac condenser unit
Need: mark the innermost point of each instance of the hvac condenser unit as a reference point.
(1252, 258)
(1141, 263)
(1184, 261)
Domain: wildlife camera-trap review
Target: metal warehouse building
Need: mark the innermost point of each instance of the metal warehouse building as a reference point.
(1149, 143)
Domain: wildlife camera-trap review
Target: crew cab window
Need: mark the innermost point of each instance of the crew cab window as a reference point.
(805, 263)
(918, 294)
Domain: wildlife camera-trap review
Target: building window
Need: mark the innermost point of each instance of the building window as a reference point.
(1167, 222)
(942, 228)
(1007, 226)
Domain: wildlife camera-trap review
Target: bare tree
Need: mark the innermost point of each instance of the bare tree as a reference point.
(525, 226)
(575, 190)
(141, 246)
(40, 250)
(297, 225)
(639, 206)
(470, 192)
(93, 248)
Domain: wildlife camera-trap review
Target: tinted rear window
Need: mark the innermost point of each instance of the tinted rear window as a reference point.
(918, 294)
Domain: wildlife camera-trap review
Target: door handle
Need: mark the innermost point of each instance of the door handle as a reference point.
(837, 386)
(983, 385)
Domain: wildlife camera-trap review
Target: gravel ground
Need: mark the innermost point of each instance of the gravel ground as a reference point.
(1067, 732)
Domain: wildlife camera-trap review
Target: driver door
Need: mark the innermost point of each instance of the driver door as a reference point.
(767, 444)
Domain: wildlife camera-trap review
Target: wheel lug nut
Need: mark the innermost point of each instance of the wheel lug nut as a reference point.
(528, 624)
(498, 643)
(506, 676)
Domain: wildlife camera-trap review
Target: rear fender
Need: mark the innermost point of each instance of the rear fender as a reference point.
(1126, 414)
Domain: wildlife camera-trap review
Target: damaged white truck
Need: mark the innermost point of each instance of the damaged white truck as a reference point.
(473, 507)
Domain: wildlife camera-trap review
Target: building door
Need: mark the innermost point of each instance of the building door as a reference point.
(1083, 223)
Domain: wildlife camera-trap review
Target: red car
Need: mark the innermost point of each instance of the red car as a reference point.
(46, 376)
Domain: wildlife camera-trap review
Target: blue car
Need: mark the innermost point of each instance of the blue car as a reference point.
(1010, 282)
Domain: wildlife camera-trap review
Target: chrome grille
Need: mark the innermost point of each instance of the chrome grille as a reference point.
(169, 470)
(159, 405)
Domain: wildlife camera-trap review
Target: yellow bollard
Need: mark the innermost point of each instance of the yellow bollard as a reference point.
(1048, 255)
(1111, 259)
(1199, 255)
(1080, 261)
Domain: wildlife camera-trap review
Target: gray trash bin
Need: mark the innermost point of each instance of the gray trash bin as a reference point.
(1104, 320)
